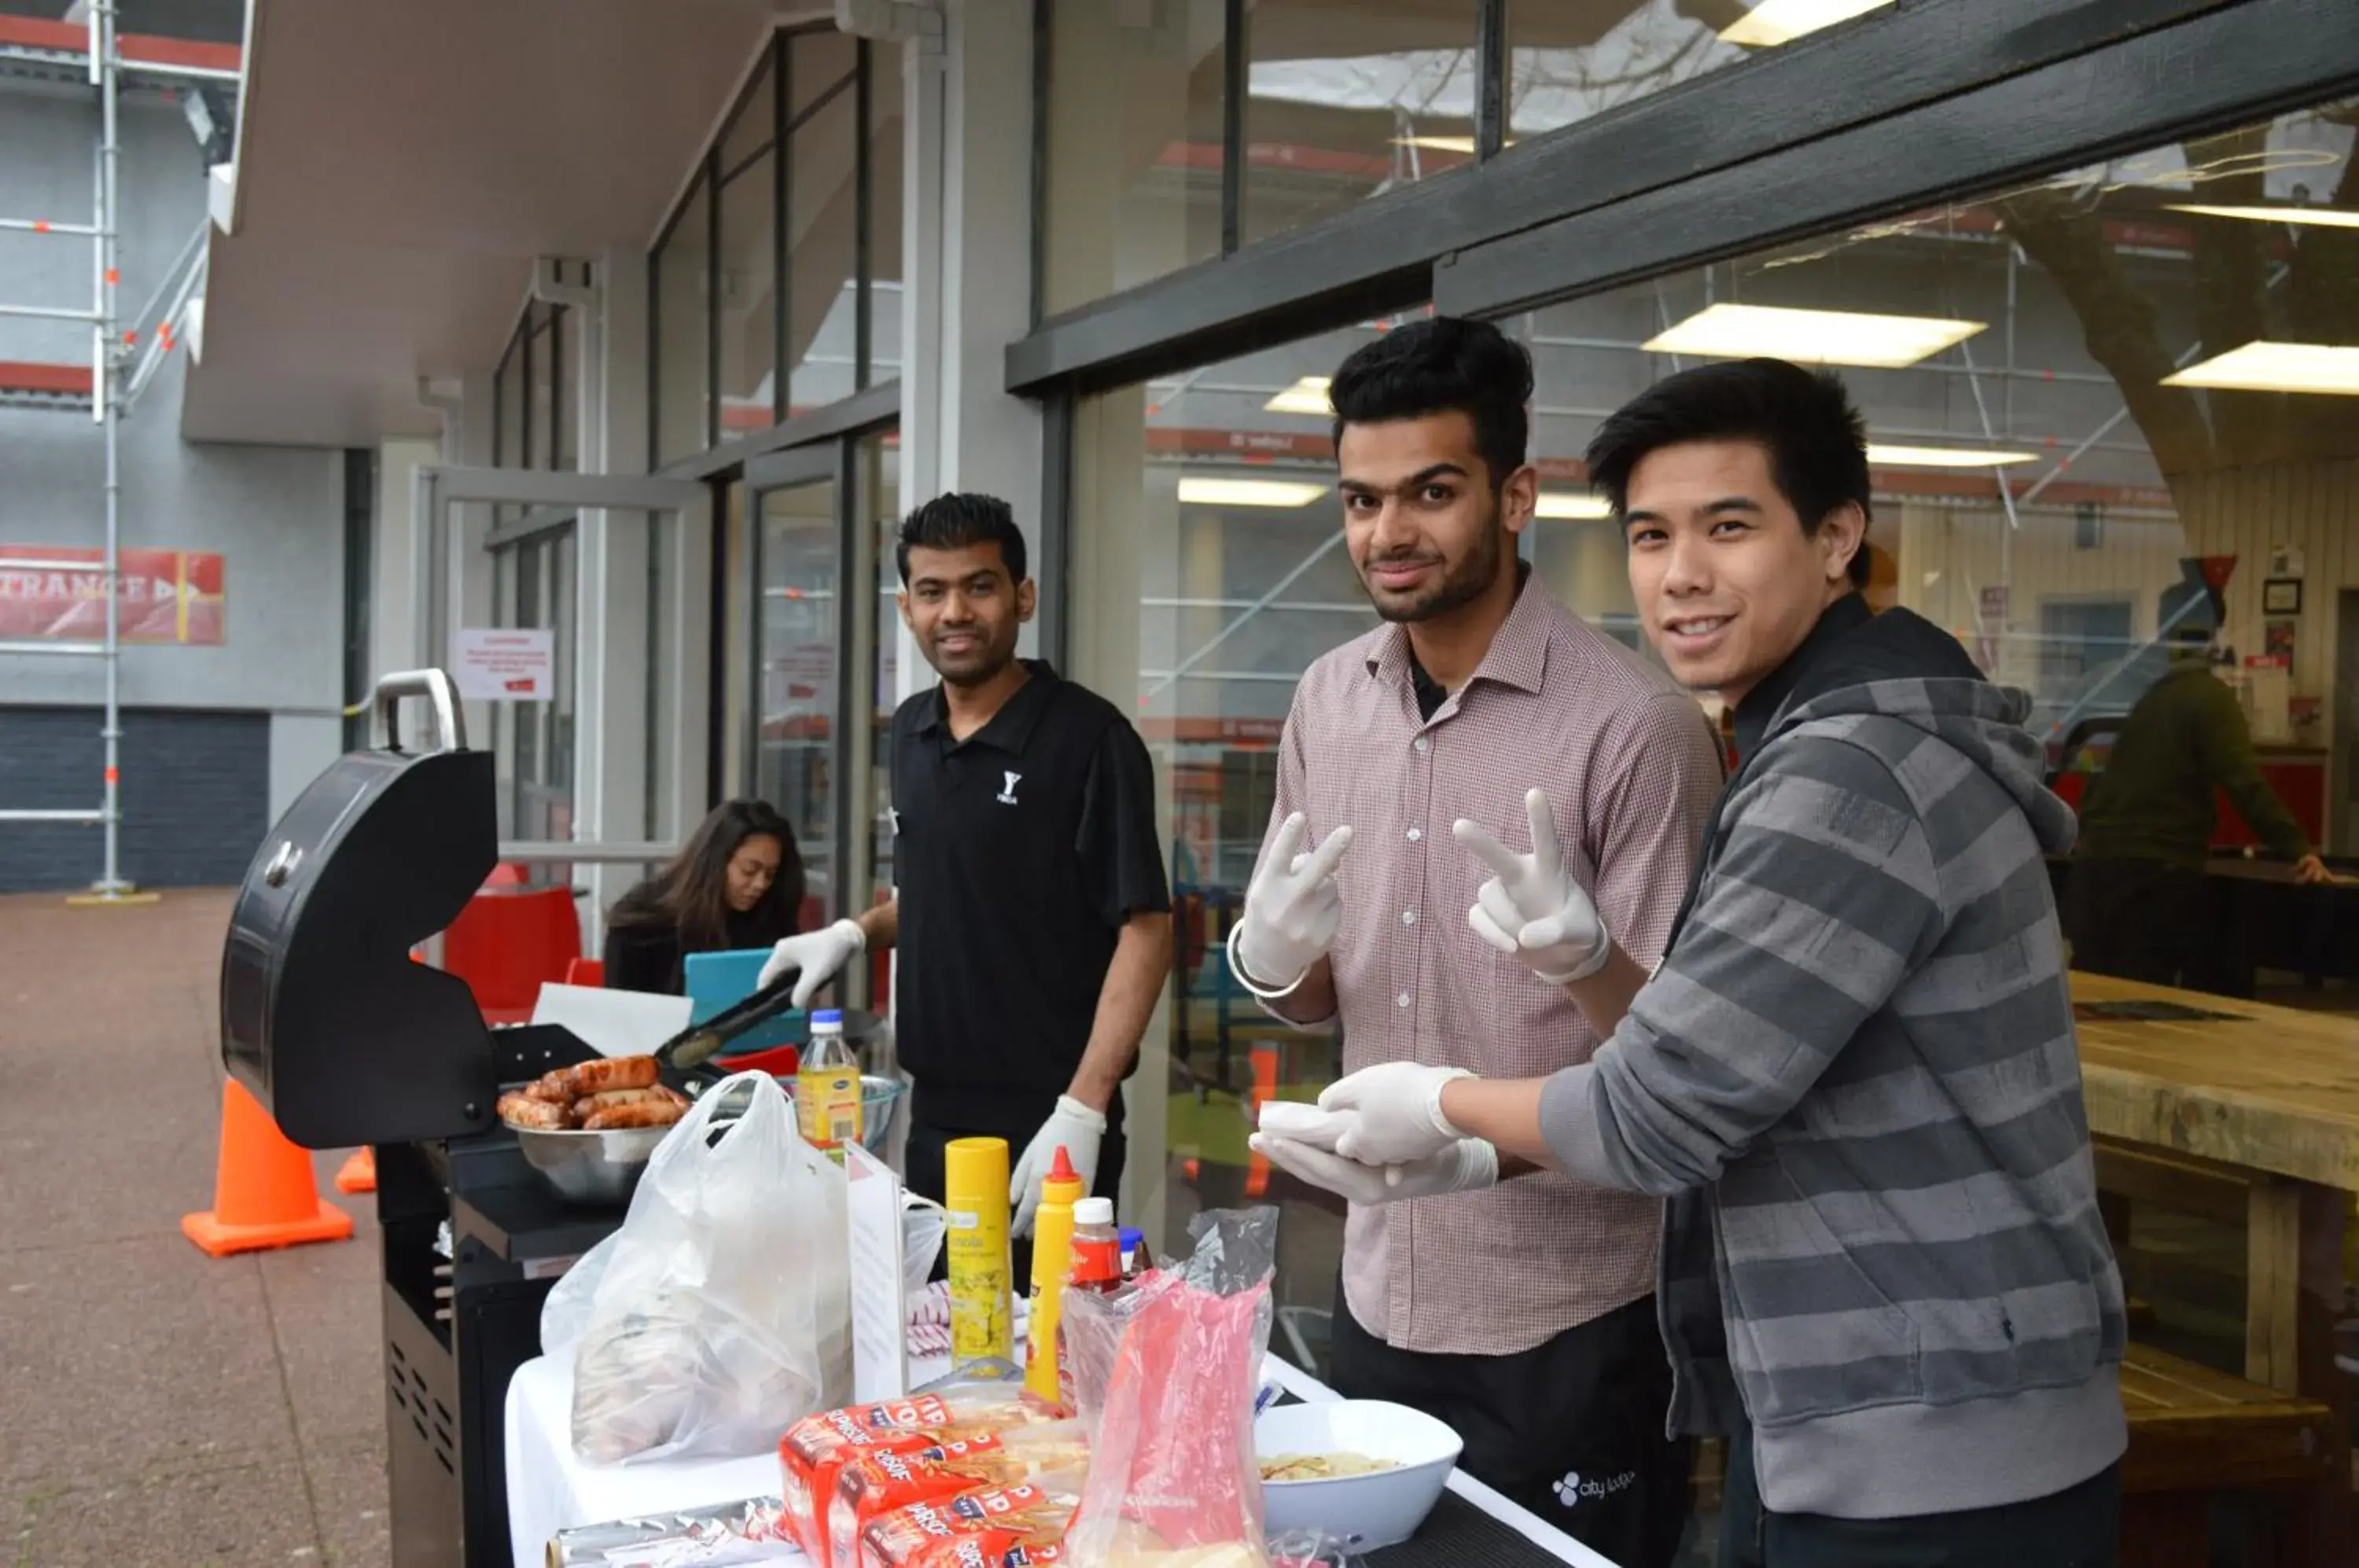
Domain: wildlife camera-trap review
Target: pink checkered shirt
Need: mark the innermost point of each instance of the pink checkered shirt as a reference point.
(1632, 770)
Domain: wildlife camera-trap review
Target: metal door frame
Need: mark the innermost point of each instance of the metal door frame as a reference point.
(444, 557)
(829, 462)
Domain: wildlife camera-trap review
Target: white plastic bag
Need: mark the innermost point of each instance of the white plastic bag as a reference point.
(719, 1314)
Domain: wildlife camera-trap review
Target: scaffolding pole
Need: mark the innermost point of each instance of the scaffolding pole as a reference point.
(107, 411)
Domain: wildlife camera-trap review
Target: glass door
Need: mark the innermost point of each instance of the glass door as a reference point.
(797, 643)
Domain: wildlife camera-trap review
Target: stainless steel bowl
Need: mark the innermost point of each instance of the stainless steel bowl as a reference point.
(589, 1166)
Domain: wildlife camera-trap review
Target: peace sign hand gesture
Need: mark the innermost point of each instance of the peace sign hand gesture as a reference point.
(1532, 908)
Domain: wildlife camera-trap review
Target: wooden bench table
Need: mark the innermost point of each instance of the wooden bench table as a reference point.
(2273, 1093)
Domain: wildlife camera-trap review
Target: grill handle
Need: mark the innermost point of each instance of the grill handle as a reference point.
(449, 719)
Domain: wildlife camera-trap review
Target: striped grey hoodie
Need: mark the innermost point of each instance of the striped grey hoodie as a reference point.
(1855, 1079)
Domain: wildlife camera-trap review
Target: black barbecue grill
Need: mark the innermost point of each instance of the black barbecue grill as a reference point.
(328, 1020)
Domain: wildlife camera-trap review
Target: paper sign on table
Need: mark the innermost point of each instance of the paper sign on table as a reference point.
(611, 1023)
(880, 1369)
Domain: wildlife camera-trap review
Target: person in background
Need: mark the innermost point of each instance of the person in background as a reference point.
(1479, 687)
(1032, 914)
(739, 884)
(2137, 900)
(1854, 1076)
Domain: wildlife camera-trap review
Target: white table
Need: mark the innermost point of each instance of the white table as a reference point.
(549, 1489)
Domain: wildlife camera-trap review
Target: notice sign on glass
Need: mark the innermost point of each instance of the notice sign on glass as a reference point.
(161, 596)
(494, 664)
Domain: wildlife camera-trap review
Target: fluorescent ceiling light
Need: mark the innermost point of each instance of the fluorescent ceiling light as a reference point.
(1308, 395)
(1943, 456)
(1447, 143)
(1774, 22)
(1201, 490)
(2276, 367)
(1812, 337)
(2325, 217)
(1570, 504)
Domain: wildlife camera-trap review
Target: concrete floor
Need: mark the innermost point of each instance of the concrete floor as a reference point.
(160, 1407)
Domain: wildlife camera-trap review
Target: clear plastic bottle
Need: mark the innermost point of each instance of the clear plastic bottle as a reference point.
(827, 1086)
(1097, 1246)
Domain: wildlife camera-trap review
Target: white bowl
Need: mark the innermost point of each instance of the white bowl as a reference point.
(1364, 1512)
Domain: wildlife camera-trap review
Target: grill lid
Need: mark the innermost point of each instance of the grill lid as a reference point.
(324, 1016)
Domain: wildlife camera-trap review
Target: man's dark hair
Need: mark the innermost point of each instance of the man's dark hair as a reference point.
(956, 521)
(1816, 439)
(1442, 365)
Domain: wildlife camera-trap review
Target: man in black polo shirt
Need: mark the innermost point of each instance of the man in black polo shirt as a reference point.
(1032, 914)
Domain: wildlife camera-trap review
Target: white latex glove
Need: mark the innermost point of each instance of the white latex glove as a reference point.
(1395, 1110)
(1080, 1130)
(1292, 907)
(1461, 1167)
(1533, 910)
(1298, 1123)
(820, 954)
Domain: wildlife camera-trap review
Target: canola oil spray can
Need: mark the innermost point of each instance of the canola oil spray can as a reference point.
(974, 1193)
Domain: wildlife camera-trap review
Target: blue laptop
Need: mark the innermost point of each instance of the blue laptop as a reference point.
(719, 981)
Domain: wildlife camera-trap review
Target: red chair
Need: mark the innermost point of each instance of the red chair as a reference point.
(508, 942)
(586, 972)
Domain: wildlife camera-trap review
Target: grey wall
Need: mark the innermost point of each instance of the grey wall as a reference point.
(274, 513)
(193, 796)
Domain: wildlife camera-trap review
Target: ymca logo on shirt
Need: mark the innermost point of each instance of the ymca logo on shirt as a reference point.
(1006, 796)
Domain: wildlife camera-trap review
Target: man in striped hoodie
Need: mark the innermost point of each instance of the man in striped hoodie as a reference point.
(1854, 1076)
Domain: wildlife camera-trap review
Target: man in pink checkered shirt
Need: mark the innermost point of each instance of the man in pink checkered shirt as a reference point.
(1520, 1312)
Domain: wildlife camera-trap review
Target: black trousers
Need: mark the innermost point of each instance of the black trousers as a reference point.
(2145, 920)
(2078, 1528)
(1572, 1429)
(935, 1121)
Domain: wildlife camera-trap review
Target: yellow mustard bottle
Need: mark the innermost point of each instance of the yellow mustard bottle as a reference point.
(1052, 1248)
(827, 1087)
(974, 1193)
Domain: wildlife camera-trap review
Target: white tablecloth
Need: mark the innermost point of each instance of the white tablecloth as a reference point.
(549, 1489)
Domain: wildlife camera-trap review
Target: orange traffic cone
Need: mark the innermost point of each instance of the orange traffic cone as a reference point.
(1265, 1090)
(264, 1195)
(359, 1174)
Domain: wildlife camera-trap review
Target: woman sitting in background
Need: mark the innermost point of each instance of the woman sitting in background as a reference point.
(739, 884)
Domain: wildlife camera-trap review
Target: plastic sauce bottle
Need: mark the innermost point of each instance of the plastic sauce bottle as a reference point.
(1097, 1246)
(1133, 1252)
(1052, 1248)
(983, 1312)
(1097, 1268)
(827, 1086)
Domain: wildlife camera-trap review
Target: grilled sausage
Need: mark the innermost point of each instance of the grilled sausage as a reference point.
(556, 1088)
(643, 1114)
(521, 1110)
(590, 1105)
(612, 1073)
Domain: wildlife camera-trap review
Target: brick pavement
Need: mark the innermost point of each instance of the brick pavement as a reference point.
(161, 1407)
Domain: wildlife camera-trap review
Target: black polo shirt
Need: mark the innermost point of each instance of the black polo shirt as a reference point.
(1019, 853)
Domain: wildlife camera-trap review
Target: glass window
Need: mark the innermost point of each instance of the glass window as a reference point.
(884, 132)
(540, 361)
(749, 270)
(798, 677)
(879, 469)
(2073, 390)
(678, 324)
(1135, 146)
(566, 413)
(1349, 102)
(1567, 63)
(823, 227)
(1227, 507)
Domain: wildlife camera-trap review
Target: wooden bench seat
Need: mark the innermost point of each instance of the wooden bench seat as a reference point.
(2194, 1431)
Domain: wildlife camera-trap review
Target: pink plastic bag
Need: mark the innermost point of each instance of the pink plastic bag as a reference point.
(1171, 1461)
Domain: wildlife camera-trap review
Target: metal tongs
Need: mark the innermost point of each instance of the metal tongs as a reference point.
(688, 1052)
